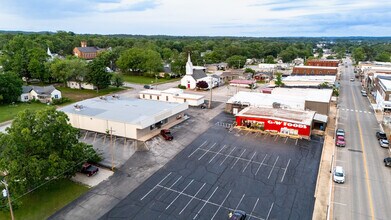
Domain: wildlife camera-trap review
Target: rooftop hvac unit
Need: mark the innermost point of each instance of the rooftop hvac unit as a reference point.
(276, 105)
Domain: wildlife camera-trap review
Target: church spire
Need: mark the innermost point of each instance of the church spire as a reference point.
(189, 66)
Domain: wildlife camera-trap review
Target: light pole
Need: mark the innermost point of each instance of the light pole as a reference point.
(111, 147)
(6, 193)
(211, 86)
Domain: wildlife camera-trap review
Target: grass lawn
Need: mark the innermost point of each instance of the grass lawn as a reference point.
(46, 200)
(8, 112)
(76, 95)
(145, 79)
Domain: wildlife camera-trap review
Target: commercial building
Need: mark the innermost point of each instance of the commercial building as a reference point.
(330, 63)
(383, 92)
(308, 81)
(314, 70)
(281, 121)
(130, 118)
(172, 95)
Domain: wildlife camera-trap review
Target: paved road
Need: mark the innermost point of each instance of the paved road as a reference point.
(367, 191)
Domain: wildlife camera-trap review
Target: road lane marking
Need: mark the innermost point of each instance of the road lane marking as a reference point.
(273, 167)
(205, 203)
(155, 186)
(369, 190)
(286, 168)
(217, 153)
(338, 203)
(221, 204)
(206, 152)
(179, 194)
(197, 149)
(195, 195)
(249, 161)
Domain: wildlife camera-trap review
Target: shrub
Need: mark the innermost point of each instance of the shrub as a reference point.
(181, 87)
(60, 101)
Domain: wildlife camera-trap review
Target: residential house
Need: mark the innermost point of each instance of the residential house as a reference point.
(44, 94)
(80, 85)
(85, 52)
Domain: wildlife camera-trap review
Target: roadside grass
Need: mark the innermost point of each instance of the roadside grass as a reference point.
(76, 95)
(9, 112)
(145, 80)
(48, 199)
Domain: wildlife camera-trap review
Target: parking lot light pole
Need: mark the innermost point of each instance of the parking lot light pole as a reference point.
(6, 193)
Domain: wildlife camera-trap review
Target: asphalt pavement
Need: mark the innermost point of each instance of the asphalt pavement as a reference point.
(367, 190)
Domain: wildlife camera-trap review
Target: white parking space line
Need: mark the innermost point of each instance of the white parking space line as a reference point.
(356, 110)
(172, 185)
(266, 135)
(205, 203)
(276, 138)
(255, 205)
(217, 154)
(221, 204)
(237, 206)
(237, 159)
(256, 134)
(94, 137)
(155, 186)
(206, 152)
(270, 210)
(247, 133)
(227, 156)
(195, 195)
(249, 162)
(179, 194)
(286, 139)
(351, 110)
(197, 149)
(360, 111)
(260, 165)
(338, 203)
(365, 111)
(273, 168)
(282, 179)
(296, 141)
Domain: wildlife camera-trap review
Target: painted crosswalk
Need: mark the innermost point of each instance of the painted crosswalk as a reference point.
(355, 110)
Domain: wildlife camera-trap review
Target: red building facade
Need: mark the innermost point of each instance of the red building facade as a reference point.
(314, 70)
(330, 63)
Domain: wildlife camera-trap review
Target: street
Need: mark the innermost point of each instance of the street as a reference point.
(367, 189)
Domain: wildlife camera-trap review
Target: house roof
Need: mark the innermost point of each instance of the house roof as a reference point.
(198, 74)
(41, 90)
(88, 49)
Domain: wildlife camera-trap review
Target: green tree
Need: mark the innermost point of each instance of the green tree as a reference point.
(10, 87)
(236, 61)
(40, 146)
(117, 80)
(97, 74)
(358, 54)
(140, 60)
(383, 57)
(37, 59)
(269, 59)
(278, 82)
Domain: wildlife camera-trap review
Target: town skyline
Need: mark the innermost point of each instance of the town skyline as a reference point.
(249, 18)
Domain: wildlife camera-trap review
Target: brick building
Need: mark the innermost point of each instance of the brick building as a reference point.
(330, 63)
(85, 52)
(314, 70)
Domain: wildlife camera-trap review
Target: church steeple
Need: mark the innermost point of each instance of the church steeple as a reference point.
(189, 66)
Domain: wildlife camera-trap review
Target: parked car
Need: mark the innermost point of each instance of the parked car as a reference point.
(166, 133)
(352, 79)
(340, 141)
(381, 135)
(384, 143)
(364, 94)
(148, 87)
(363, 91)
(89, 169)
(387, 162)
(237, 215)
(340, 132)
(339, 174)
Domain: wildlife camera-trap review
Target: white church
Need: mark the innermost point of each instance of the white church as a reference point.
(195, 74)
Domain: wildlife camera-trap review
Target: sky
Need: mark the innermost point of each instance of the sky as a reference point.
(252, 18)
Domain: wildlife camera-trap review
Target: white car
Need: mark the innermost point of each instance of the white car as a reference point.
(383, 143)
(338, 175)
(351, 79)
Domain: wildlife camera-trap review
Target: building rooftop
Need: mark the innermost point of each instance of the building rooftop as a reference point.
(315, 95)
(288, 115)
(175, 91)
(385, 82)
(242, 81)
(316, 67)
(139, 112)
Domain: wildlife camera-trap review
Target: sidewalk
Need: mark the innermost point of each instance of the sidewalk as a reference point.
(322, 190)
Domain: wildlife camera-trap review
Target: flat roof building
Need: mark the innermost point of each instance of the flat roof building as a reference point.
(172, 95)
(129, 118)
(308, 81)
(314, 70)
(331, 63)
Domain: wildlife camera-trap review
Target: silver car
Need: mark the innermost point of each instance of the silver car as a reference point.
(384, 143)
(339, 174)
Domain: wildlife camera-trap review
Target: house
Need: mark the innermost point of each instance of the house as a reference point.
(44, 94)
(80, 85)
(85, 52)
(193, 74)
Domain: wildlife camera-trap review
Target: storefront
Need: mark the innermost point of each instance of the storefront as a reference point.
(282, 121)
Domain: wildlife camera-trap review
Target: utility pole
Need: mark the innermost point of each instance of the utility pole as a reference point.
(6, 193)
(210, 99)
(156, 81)
(111, 147)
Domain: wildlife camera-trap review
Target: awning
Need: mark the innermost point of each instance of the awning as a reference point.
(320, 118)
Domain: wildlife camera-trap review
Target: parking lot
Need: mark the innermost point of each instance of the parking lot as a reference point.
(227, 169)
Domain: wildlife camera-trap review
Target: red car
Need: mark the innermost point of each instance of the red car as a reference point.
(166, 134)
(89, 169)
(340, 142)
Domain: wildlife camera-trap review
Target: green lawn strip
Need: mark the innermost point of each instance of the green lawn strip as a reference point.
(8, 112)
(145, 79)
(48, 199)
